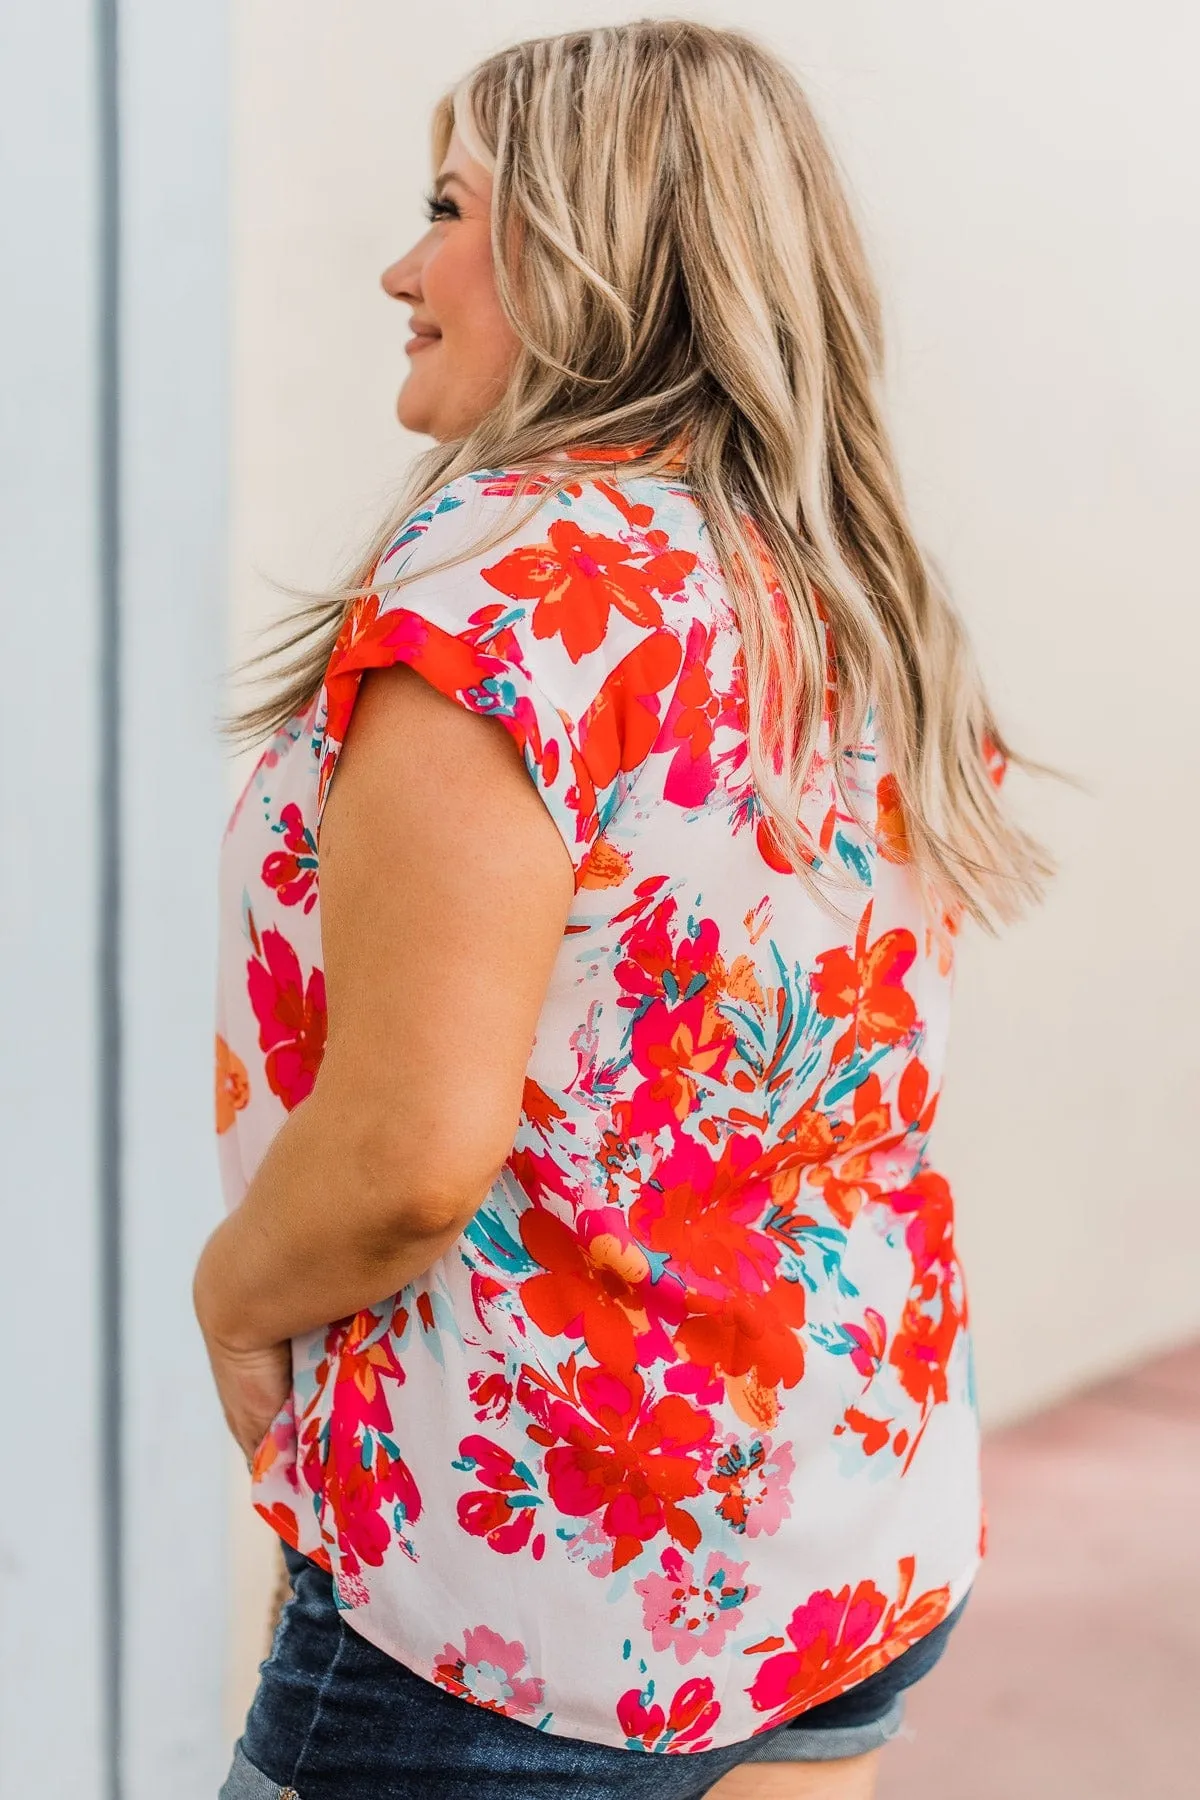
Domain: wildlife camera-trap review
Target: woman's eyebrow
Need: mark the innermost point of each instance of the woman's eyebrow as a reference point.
(442, 181)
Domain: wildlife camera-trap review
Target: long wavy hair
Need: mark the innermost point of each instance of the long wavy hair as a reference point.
(675, 253)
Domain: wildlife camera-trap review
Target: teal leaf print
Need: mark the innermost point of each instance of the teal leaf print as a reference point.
(853, 856)
(496, 1244)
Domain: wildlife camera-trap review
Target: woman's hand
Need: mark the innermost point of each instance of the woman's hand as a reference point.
(253, 1385)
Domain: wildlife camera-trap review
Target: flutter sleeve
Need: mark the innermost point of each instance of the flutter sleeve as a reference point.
(556, 632)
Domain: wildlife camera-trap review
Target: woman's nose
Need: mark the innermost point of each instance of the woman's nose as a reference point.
(400, 279)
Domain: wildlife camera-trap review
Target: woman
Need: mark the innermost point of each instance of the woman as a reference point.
(618, 824)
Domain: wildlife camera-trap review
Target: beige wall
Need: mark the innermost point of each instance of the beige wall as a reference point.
(1028, 176)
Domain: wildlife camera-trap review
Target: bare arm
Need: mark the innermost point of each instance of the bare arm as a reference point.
(445, 891)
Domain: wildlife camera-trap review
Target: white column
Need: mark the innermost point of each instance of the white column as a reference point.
(53, 1648)
(113, 1597)
(173, 363)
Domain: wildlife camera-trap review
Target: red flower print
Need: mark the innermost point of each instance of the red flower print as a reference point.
(685, 1726)
(292, 871)
(691, 723)
(491, 1392)
(936, 1309)
(363, 1357)
(675, 1047)
(995, 759)
(752, 1480)
(539, 1109)
(868, 989)
(578, 577)
(291, 1018)
(808, 1139)
(913, 1100)
(627, 1457)
(485, 1291)
(874, 1433)
(542, 1178)
(361, 623)
(613, 453)
(852, 1175)
(354, 1461)
(621, 726)
(702, 1215)
(283, 1521)
(770, 846)
(840, 1639)
(600, 1286)
(655, 968)
(233, 1085)
(748, 1334)
(503, 1510)
(930, 1208)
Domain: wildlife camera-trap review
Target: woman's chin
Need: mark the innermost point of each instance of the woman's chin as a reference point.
(412, 416)
(414, 407)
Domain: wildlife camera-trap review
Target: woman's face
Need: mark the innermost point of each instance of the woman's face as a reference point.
(463, 348)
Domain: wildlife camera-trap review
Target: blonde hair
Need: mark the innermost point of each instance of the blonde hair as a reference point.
(690, 280)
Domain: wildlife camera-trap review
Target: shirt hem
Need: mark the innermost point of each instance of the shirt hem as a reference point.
(958, 1588)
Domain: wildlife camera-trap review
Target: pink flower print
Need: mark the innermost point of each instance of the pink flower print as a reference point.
(752, 1480)
(292, 871)
(489, 1672)
(840, 1639)
(594, 1548)
(685, 1726)
(503, 1510)
(291, 1018)
(869, 1340)
(691, 722)
(828, 1633)
(351, 1457)
(505, 486)
(689, 1614)
(656, 968)
(678, 1049)
(351, 1588)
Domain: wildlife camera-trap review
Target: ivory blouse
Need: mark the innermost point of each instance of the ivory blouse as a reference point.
(678, 1439)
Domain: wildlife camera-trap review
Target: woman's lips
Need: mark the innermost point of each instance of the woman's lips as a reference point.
(421, 341)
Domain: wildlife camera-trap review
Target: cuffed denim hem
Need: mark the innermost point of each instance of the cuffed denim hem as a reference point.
(794, 1744)
(245, 1782)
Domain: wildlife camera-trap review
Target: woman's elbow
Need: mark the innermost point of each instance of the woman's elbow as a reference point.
(419, 1183)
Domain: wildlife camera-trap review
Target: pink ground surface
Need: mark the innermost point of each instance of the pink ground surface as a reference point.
(1075, 1674)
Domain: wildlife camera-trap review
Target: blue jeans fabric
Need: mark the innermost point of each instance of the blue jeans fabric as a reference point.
(335, 1718)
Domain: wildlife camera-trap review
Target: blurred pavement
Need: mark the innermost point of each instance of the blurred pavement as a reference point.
(1075, 1674)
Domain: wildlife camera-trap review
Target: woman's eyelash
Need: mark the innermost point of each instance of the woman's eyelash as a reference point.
(437, 208)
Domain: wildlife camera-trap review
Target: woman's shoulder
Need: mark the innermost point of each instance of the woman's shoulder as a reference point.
(485, 509)
(570, 577)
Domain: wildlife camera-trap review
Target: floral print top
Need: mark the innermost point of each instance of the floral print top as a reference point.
(679, 1439)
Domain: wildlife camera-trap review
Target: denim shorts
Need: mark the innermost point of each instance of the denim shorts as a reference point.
(335, 1718)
